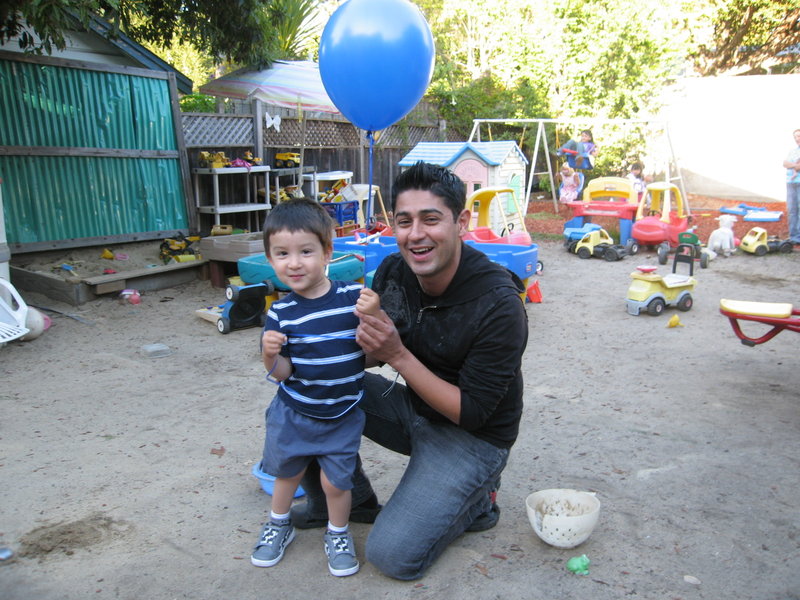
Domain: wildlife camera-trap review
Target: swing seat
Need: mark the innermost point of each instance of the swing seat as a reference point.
(575, 157)
(780, 315)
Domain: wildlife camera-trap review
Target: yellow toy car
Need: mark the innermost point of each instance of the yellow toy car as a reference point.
(598, 243)
(757, 242)
(287, 160)
(651, 292)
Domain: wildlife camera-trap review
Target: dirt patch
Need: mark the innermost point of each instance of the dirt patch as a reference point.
(66, 538)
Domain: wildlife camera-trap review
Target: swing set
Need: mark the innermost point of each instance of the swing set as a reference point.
(671, 165)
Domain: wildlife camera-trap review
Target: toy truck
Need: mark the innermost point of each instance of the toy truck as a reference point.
(598, 243)
(756, 242)
(287, 160)
(651, 292)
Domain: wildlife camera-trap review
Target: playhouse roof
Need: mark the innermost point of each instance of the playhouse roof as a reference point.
(446, 153)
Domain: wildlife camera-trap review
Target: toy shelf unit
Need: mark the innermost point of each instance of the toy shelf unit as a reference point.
(217, 207)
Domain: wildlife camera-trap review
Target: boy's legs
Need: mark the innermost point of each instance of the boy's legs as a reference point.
(445, 489)
(339, 546)
(278, 532)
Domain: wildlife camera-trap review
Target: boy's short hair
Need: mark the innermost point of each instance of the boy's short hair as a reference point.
(435, 179)
(637, 166)
(299, 214)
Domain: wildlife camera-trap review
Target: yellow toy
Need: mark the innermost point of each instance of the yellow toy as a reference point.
(651, 292)
(756, 242)
(213, 160)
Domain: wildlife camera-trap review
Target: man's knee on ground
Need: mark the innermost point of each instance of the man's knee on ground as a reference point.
(394, 560)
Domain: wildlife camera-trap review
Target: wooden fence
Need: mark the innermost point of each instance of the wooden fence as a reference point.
(328, 142)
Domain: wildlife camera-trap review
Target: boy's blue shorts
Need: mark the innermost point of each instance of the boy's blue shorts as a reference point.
(293, 440)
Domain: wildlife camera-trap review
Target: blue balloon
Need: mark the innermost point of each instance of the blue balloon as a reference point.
(376, 60)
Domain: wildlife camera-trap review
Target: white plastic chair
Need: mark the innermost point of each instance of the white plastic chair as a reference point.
(12, 321)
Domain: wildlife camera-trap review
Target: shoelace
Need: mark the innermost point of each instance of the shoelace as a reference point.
(270, 533)
(340, 544)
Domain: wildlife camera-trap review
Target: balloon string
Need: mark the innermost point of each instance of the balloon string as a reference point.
(370, 219)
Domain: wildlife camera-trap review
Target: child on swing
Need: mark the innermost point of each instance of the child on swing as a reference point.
(570, 184)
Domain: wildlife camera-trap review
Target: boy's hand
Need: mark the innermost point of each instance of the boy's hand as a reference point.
(369, 303)
(271, 343)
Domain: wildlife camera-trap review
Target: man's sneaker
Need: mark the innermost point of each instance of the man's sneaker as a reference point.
(365, 512)
(273, 541)
(485, 520)
(341, 553)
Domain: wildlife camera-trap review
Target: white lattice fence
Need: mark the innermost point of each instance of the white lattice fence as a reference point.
(202, 130)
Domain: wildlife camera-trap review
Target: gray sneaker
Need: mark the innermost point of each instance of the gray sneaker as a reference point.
(341, 553)
(273, 541)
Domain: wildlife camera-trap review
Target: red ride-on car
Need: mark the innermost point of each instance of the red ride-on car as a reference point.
(662, 215)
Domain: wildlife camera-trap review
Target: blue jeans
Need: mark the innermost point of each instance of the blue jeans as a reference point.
(793, 208)
(444, 488)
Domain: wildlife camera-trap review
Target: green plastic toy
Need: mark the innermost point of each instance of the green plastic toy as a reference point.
(579, 564)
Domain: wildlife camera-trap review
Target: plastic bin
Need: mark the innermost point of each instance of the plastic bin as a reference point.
(373, 252)
(342, 212)
(516, 258)
(255, 269)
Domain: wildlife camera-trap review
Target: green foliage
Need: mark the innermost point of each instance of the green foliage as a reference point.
(46, 20)
(745, 36)
(198, 103)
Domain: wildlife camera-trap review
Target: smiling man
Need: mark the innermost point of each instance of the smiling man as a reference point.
(454, 327)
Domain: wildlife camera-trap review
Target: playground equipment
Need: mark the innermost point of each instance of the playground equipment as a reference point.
(757, 242)
(651, 292)
(606, 197)
(662, 214)
(482, 230)
(778, 316)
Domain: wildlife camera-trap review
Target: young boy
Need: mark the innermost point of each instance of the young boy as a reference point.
(309, 350)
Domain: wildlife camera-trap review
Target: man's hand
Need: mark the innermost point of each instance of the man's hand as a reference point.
(378, 336)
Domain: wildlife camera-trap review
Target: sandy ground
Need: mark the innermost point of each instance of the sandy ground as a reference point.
(123, 476)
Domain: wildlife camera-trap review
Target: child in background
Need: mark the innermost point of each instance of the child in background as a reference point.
(309, 350)
(570, 182)
(580, 152)
(638, 180)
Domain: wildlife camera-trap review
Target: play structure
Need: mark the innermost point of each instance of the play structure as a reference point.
(777, 316)
(662, 214)
(606, 197)
(651, 292)
(492, 164)
(757, 242)
(658, 131)
(480, 203)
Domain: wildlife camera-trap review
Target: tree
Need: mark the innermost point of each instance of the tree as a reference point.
(747, 36)
(239, 31)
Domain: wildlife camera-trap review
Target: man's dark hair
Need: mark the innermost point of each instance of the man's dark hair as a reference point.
(299, 214)
(439, 181)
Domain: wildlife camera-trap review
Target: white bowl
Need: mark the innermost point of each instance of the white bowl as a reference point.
(561, 517)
